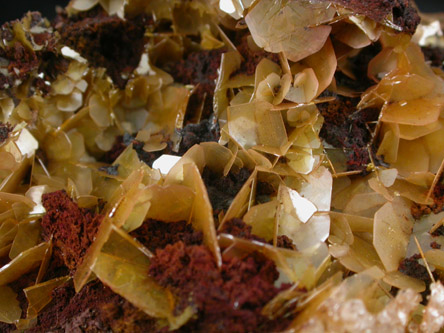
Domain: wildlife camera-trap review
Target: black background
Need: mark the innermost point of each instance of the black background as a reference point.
(13, 9)
(431, 5)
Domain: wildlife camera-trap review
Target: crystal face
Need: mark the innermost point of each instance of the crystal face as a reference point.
(222, 166)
